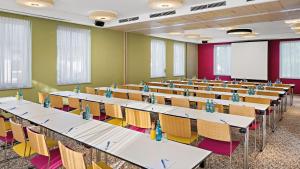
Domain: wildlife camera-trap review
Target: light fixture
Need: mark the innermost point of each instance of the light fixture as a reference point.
(205, 38)
(296, 28)
(36, 3)
(175, 33)
(165, 4)
(103, 15)
(293, 21)
(192, 36)
(239, 31)
(227, 28)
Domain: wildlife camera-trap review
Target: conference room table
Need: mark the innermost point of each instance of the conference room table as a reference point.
(233, 120)
(262, 108)
(134, 147)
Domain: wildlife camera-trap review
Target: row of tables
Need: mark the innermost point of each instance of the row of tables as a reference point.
(232, 120)
(133, 147)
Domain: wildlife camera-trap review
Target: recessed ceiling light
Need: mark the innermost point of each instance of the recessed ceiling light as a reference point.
(249, 36)
(36, 3)
(102, 15)
(239, 31)
(175, 33)
(205, 38)
(192, 36)
(293, 21)
(165, 4)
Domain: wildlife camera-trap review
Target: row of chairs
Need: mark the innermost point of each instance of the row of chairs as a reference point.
(42, 151)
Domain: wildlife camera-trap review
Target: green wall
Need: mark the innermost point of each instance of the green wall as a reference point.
(139, 58)
(107, 57)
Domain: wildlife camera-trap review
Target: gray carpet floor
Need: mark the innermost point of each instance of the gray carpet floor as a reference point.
(281, 152)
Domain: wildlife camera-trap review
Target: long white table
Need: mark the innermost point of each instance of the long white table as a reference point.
(134, 147)
(232, 120)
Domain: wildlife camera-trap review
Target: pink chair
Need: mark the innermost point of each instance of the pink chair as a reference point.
(46, 158)
(217, 138)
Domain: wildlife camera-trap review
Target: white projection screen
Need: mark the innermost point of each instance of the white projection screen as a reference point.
(249, 60)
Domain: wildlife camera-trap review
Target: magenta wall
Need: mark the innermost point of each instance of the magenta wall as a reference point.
(206, 62)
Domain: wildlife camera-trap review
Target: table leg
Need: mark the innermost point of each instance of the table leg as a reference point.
(286, 102)
(274, 118)
(292, 96)
(264, 132)
(246, 148)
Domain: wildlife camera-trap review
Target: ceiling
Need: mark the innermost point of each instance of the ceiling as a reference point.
(265, 17)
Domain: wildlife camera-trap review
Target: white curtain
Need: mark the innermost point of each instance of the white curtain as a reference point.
(15, 53)
(179, 59)
(158, 58)
(290, 59)
(222, 59)
(73, 55)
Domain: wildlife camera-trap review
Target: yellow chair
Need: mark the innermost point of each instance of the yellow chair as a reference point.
(267, 93)
(23, 149)
(206, 95)
(234, 85)
(222, 90)
(153, 90)
(138, 120)
(180, 102)
(160, 99)
(75, 160)
(242, 91)
(101, 92)
(166, 91)
(120, 95)
(177, 129)
(42, 96)
(226, 97)
(114, 111)
(90, 90)
(95, 109)
(218, 107)
(187, 87)
(74, 103)
(56, 102)
(134, 88)
(274, 88)
(135, 96)
(6, 135)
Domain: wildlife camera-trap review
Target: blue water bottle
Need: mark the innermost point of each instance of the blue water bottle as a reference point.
(158, 131)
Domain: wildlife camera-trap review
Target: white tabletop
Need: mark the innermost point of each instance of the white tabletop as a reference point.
(233, 120)
(126, 144)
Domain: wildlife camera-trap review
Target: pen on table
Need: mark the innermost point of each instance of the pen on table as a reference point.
(163, 163)
(223, 121)
(24, 113)
(186, 115)
(45, 121)
(12, 108)
(107, 145)
(70, 129)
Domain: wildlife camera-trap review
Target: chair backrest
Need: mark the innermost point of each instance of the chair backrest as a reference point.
(74, 103)
(282, 85)
(113, 110)
(133, 88)
(206, 95)
(202, 84)
(38, 143)
(166, 91)
(94, 107)
(218, 84)
(187, 87)
(242, 110)
(17, 131)
(242, 91)
(226, 97)
(218, 107)
(3, 132)
(153, 90)
(175, 126)
(138, 118)
(95, 166)
(101, 92)
(42, 97)
(234, 85)
(266, 93)
(70, 158)
(120, 95)
(135, 96)
(56, 101)
(181, 102)
(160, 99)
(258, 100)
(202, 87)
(274, 88)
(214, 130)
(122, 87)
(90, 90)
(222, 90)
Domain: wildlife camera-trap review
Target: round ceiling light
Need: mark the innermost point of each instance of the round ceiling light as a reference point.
(101, 15)
(165, 4)
(175, 32)
(239, 31)
(36, 3)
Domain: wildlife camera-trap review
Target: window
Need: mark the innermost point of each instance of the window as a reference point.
(15, 53)
(73, 55)
(290, 59)
(158, 58)
(179, 59)
(222, 56)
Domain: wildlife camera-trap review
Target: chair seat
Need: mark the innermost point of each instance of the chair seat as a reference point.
(182, 139)
(218, 147)
(41, 162)
(102, 165)
(75, 111)
(7, 125)
(20, 149)
(51, 143)
(254, 126)
(142, 130)
(8, 139)
(102, 117)
(6, 115)
(117, 122)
